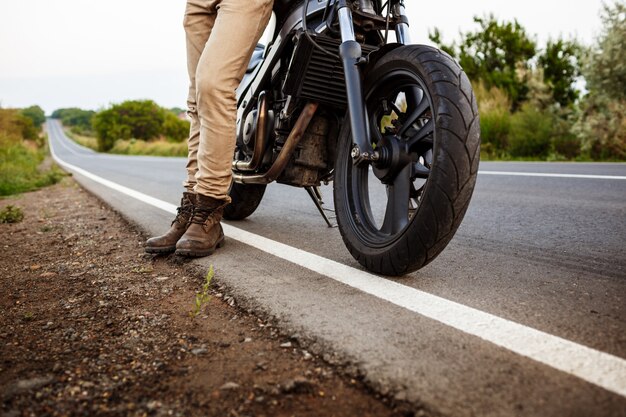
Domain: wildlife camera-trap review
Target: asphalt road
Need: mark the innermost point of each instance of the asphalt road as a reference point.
(534, 253)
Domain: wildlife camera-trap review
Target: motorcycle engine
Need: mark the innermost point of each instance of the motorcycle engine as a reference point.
(309, 164)
(248, 132)
(247, 137)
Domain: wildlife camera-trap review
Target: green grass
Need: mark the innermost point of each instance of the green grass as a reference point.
(20, 167)
(22, 153)
(160, 147)
(153, 148)
(86, 141)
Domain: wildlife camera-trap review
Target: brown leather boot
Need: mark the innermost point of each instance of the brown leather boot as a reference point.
(167, 243)
(204, 233)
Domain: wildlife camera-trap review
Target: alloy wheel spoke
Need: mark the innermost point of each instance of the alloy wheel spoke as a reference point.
(419, 170)
(414, 96)
(428, 157)
(398, 111)
(397, 211)
(418, 112)
(423, 135)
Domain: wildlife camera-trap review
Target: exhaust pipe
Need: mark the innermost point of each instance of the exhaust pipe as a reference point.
(259, 141)
(285, 153)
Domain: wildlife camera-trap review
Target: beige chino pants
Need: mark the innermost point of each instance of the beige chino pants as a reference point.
(221, 36)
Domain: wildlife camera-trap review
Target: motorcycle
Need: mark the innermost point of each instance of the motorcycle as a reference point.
(393, 125)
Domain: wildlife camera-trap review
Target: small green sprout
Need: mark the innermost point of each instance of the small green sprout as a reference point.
(203, 297)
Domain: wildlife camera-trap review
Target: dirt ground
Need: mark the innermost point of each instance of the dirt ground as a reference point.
(90, 325)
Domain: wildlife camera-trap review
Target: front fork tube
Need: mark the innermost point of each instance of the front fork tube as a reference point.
(402, 28)
(351, 56)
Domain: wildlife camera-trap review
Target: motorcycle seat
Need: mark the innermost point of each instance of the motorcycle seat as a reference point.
(257, 57)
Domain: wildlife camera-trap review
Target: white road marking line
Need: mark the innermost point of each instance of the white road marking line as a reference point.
(547, 175)
(598, 368)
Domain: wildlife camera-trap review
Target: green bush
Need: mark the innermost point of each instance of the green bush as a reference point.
(602, 129)
(128, 120)
(19, 159)
(108, 129)
(22, 126)
(175, 129)
(36, 114)
(78, 120)
(495, 119)
(565, 143)
(531, 132)
(15, 125)
(495, 126)
(19, 169)
(11, 214)
(142, 120)
(133, 128)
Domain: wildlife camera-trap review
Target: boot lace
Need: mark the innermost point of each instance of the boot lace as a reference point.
(183, 212)
(201, 214)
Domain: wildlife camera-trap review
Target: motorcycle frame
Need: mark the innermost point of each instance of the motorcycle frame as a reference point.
(351, 56)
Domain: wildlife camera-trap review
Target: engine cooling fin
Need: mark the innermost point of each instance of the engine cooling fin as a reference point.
(315, 76)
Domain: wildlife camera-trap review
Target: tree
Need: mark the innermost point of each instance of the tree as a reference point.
(605, 69)
(177, 110)
(602, 127)
(498, 54)
(561, 67)
(16, 126)
(136, 119)
(78, 120)
(36, 114)
(27, 127)
(174, 128)
(108, 129)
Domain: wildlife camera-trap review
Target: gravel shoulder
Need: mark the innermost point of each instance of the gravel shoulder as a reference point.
(90, 325)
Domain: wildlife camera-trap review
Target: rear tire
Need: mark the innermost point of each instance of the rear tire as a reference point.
(440, 177)
(245, 200)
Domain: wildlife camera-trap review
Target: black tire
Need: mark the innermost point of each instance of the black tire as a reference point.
(450, 153)
(245, 200)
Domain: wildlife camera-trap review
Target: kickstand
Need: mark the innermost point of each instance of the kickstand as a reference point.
(316, 196)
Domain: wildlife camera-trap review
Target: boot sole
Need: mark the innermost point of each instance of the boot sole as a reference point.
(190, 253)
(158, 251)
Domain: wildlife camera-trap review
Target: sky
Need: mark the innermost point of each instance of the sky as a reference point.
(90, 54)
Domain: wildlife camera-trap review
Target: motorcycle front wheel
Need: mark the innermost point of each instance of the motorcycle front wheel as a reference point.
(398, 213)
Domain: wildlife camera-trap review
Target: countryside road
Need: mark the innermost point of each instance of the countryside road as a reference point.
(524, 314)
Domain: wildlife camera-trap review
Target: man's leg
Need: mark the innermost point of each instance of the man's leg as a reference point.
(238, 26)
(198, 22)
